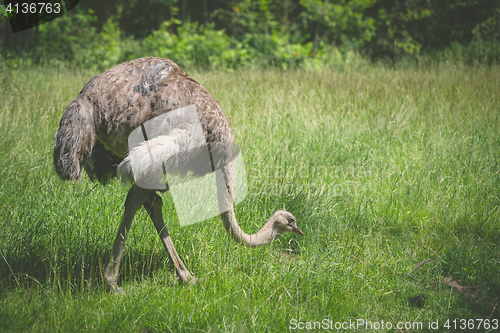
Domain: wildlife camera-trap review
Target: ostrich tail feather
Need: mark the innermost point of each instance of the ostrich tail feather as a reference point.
(74, 140)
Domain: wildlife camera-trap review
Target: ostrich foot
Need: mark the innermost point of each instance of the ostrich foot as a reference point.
(114, 289)
(185, 277)
(112, 285)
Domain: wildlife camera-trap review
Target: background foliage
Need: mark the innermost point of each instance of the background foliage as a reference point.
(230, 33)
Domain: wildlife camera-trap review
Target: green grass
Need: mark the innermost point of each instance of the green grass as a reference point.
(383, 168)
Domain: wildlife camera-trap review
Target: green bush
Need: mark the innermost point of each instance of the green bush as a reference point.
(477, 52)
(74, 38)
(195, 45)
(261, 41)
(65, 38)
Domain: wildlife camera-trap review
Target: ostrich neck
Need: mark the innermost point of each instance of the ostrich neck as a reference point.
(225, 183)
(262, 237)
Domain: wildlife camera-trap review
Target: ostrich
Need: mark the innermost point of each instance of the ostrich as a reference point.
(93, 134)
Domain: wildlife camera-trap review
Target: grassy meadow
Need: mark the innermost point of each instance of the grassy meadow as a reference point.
(392, 173)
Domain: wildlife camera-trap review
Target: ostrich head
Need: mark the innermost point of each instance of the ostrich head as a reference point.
(283, 221)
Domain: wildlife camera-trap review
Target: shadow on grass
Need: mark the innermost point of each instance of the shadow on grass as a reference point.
(78, 272)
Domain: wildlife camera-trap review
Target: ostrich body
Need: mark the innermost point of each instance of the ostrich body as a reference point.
(93, 135)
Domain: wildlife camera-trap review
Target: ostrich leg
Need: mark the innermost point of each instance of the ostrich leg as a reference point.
(153, 205)
(135, 199)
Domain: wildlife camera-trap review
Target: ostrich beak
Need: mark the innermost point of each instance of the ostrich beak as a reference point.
(296, 230)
